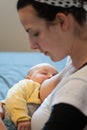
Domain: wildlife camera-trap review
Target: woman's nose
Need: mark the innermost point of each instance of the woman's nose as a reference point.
(33, 44)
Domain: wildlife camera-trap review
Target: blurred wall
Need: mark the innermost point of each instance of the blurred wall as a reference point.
(12, 35)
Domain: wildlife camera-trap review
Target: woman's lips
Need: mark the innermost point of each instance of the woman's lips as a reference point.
(46, 53)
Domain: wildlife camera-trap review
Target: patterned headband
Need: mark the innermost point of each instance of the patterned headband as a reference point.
(65, 3)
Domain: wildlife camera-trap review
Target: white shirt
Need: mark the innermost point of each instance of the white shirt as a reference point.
(71, 90)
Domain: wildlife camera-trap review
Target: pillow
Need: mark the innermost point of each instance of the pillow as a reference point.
(15, 65)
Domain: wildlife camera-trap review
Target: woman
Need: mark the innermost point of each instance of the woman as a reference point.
(58, 28)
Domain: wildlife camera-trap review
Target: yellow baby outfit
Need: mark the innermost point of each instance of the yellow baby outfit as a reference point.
(24, 92)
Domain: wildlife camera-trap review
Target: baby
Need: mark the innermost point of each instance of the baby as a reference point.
(24, 97)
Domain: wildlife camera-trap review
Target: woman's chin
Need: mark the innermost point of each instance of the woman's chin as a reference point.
(53, 59)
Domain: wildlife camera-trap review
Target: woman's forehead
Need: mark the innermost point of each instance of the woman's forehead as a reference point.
(27, 13)
(29, 18)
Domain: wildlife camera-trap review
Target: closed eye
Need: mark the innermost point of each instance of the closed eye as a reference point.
(36, 34)
(54, 74)
(44, 73)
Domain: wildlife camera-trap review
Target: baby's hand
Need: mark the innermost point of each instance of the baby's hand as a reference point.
(1, 111)
(24, 125)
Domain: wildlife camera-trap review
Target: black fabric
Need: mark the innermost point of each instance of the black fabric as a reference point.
(82, 66)
(66, 117)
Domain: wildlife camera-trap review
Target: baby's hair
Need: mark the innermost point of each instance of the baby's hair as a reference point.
(39, 66)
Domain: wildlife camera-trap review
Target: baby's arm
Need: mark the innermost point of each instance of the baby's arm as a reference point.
(20, 124)
(16, 102)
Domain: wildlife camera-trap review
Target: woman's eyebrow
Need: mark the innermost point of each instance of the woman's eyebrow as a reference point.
(27, 30)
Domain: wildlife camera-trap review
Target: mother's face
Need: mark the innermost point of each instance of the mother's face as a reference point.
(49, 39)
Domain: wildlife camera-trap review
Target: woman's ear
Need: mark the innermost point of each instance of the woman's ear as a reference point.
(63, 20)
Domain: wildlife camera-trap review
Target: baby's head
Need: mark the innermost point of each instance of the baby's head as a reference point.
(41, 72)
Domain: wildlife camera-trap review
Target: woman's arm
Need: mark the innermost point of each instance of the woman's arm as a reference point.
(66, 117)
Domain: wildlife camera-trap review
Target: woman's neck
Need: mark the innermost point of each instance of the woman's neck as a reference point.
(80, 56)
(78, 53)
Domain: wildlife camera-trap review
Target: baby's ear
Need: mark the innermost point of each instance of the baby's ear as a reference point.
(27, 77)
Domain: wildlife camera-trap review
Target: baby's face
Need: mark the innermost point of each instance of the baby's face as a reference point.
(42, 73)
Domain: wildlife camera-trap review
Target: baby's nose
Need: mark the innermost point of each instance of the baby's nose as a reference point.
(50, 75)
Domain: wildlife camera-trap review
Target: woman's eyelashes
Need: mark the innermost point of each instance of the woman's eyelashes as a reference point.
(33, 33)
(36, 34)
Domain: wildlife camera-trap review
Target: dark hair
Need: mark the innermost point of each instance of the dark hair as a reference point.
(48, 12)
